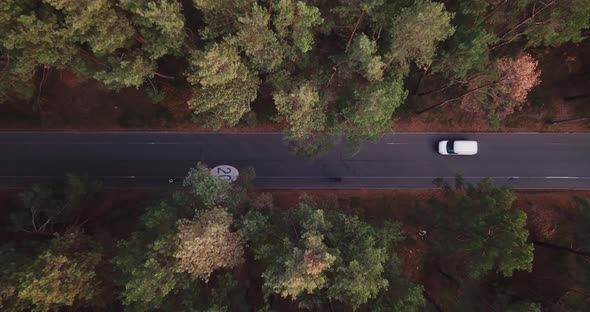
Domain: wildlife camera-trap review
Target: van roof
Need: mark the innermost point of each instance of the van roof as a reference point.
(465, 147)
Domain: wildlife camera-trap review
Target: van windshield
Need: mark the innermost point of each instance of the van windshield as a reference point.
(450, 146)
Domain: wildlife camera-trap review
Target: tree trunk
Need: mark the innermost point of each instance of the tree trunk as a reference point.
(555, 122)
(433, 91)
(576, 97)
(445, 274)
(356, 26)
(455, 98)
(431, 300)
(490, 13)
(422, 75)
(533, 15)
(164, 76)
(580, 253)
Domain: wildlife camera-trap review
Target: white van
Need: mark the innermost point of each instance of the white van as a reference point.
(459, 147)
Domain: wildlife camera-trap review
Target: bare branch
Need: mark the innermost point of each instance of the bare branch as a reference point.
(356, 25)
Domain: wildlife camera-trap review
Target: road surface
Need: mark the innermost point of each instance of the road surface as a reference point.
(142, 159)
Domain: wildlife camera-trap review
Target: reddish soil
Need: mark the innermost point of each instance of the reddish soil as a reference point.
(69, 104)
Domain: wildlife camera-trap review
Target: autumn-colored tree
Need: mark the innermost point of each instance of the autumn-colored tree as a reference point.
(519, 76)
(479, 228)
(506, 91)
(207, 243)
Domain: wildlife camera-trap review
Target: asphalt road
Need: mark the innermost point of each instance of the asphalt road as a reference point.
(537, 161)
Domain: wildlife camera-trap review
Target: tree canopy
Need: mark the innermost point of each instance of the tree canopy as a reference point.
(178, 243)
(479, 224)
(332, 56)
(307, 251)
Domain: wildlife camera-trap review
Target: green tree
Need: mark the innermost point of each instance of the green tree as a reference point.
(13, 263)
(480, 227)
(33, 41)
(295, 21)
(64, 274)
(562, 22)
(221, 17)
(211, 191)
(467, 52)
(369, 115)
(307, 252)
(363, 58)
(416, 32)
(45, 209)
(160, 24)
(223, 86)
(302, 108)
(258, 41)
(14, 87)
(126, 71)
(147, 270)
(349, 12)
(177, 243)
(97, 24)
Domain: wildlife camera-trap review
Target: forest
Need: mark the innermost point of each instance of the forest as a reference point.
(319, 71)
(213, 246)
(316, 69)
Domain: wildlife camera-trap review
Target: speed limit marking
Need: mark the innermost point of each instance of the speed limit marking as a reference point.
(225, 172)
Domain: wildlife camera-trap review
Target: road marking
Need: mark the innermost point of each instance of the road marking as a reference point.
(62, 176)
(313, 177)
(415, 177)
(102, 143)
